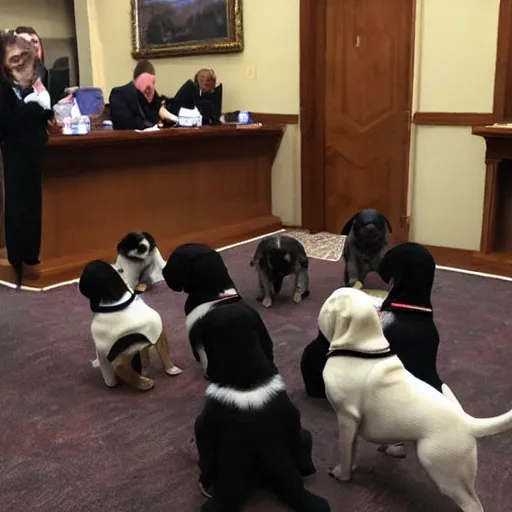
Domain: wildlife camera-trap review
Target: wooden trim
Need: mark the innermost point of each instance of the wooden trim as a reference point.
(312, 112)
(494, 263)
(453, 118)
(265, 118)
(503, 74)
(488, 224)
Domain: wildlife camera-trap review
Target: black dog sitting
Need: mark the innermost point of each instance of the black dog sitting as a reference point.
(249, 433)
(275, 258)
(367, 235)
(199, 271)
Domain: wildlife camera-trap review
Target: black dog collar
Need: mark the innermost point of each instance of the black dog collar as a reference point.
(360, 355)
(96, 308)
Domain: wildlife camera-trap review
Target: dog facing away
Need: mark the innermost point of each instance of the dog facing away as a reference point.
(367, 235)
(123, 328)
(249, 433)
(199, 271)
(139, 261)
(275, 258)
(376, 398)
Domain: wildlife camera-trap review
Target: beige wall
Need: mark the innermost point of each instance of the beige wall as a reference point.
(50, 18)
(454, 72)
(455, 63)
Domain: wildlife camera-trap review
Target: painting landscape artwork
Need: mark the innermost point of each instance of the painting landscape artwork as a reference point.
(167, 28)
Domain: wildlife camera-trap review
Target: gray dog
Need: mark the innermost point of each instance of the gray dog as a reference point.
(367, 235)
(275, 258)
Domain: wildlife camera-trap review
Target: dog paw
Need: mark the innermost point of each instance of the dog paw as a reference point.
(145, 384)
(297, 297)
(358, 285)
(396, 451)
(339, 474)
(267, 302)
(173, 370)
(142, 287)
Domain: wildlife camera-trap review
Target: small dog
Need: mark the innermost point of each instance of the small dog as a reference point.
(275, 258)
(139, 261)
(123, 328)
(199, 271)
(367, 235)
(376, 398)
(249, 433)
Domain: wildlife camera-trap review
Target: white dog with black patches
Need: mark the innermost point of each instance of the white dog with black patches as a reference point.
(376, 398)
(139, 261)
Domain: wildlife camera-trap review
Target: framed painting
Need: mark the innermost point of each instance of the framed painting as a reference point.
(172, 28)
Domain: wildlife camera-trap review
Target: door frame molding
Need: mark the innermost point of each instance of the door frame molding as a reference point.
(312, 112)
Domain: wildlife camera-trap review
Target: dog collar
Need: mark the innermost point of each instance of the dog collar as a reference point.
(360, 355)
(399, 305)
(96, 308)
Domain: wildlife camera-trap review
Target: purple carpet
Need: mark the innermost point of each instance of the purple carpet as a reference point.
(69, 444)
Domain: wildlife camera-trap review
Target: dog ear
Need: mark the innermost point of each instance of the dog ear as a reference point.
(388, 223)
(150, 238)
(348, 226)
(177, 270)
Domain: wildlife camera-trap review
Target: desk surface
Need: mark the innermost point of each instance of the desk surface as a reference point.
(492, 131)
(120, 137)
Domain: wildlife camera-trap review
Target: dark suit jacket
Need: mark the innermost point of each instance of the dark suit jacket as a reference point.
(129, 109)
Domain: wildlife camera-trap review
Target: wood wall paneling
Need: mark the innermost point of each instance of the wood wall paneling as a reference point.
(453, 118)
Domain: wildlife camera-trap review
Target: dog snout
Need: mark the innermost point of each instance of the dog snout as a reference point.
(141, 249)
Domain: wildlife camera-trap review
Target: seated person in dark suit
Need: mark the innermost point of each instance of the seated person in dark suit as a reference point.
(202, 93)
(137, 105)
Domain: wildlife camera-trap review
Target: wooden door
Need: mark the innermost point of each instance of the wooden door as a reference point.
(365, 83)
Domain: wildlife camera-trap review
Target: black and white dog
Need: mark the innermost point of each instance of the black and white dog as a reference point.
(249, 433)
(199, 271)
(139, 261)
(367, 235)
(275, 258)
(123, 328)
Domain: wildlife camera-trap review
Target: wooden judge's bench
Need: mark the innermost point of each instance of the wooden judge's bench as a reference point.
(209, 185)
(496, 240)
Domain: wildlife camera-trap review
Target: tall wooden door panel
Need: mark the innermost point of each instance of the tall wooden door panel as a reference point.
(368, 60)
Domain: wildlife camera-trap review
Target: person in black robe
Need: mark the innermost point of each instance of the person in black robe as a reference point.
(30, 35)
(25, 111)
(249, 433)
(137, 105)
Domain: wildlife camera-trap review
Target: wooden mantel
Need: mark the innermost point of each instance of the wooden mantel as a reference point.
(496, 240)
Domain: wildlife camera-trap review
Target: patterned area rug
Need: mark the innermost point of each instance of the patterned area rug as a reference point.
(321, 246)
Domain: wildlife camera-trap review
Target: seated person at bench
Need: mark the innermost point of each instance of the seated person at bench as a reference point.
(137, 105)
(202, 93)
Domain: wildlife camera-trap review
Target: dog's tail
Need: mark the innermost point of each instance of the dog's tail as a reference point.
(483, 427)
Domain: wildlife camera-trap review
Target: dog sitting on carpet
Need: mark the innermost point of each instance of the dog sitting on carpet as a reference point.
(406, 314)
(367, 235)
(123, 328)
(376, 398)
(199, 271)
(139, 261)
(275, 258)
(249, 433)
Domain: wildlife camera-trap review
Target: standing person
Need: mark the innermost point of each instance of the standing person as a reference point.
(25, 112)
(30, 35)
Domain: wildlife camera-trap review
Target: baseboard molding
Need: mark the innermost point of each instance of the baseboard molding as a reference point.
(453, 118)
(475, 261)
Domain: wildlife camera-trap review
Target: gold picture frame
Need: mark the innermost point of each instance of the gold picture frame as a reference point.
(174, 28)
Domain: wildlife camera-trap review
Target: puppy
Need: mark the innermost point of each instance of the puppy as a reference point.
(375, 397)
(314, 356)
(139, 261)
(249, 433)
(367, 235)
(407, 314)
(123, 328)
(275, 258)
(199, 271)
